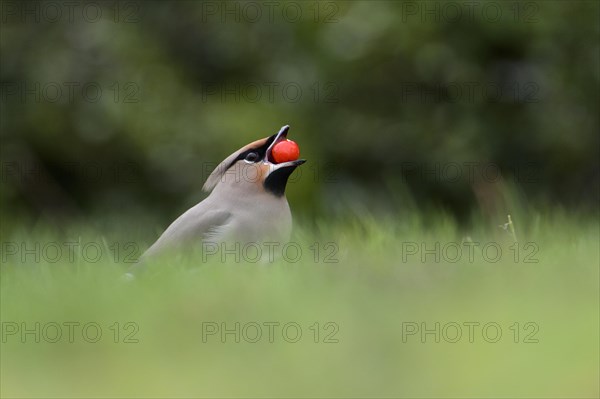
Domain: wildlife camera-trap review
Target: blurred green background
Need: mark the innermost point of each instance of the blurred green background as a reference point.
(127, 106)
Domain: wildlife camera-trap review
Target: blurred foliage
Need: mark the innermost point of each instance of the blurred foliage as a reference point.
(378, 79)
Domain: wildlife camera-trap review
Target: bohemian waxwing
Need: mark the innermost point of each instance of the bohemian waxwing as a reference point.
(246, 202)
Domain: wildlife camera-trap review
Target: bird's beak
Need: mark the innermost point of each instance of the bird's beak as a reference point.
(281, 136)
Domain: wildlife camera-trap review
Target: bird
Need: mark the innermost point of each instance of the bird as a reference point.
(247, 201)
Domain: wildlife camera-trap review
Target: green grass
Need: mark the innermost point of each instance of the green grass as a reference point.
(369, 293)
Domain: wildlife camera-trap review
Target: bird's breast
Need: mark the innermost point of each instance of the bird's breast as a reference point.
(260, 221)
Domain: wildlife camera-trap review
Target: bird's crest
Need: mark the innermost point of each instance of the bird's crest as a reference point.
(228, 162)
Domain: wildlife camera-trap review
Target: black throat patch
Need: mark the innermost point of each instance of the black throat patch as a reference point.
(276, 181)
(260, 151)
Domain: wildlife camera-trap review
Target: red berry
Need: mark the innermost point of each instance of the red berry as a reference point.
(285, 151)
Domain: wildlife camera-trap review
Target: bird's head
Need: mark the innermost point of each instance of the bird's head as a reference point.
(253, 168)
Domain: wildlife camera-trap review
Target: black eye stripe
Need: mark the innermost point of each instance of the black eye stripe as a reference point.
(261, 151)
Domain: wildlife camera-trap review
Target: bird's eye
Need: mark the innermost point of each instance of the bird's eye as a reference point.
(252, 157)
